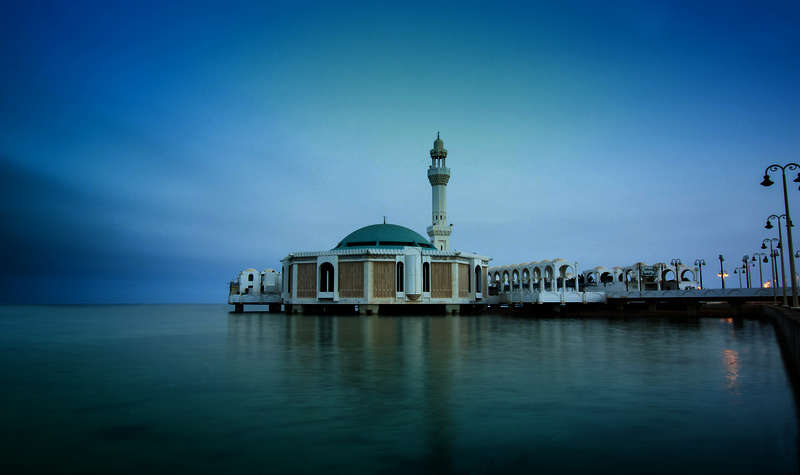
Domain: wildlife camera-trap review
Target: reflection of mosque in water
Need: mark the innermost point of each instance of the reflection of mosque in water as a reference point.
(365, 356)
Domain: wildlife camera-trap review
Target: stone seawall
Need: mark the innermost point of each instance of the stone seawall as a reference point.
(787, 328)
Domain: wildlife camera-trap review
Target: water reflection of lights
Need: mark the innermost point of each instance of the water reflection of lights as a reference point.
(731, 359)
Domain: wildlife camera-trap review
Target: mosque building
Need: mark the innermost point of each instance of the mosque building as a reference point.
(380, 266)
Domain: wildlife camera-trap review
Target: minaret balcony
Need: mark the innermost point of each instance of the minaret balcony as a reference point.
(438, 176)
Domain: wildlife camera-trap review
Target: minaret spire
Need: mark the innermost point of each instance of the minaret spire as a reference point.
(438, 176)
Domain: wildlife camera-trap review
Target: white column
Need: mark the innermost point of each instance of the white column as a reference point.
(454, 279)
(367, 282)
(576, 277)
(294, 280)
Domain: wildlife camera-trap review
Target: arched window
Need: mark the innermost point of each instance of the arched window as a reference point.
(326, 277)
(250, 277)
(477, 278)
(426, 277)
(399, 277)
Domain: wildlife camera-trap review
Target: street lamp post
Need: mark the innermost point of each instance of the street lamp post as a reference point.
(739, 271)
(746, 268)
(757, 257)
(797, 255)
(721, 270)
(776, 253)
(780, 246)
(768, 182)
(700, 263)
(676, 263)
(774, 265)
(639, 278)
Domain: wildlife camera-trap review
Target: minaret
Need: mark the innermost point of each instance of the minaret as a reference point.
(439, 175)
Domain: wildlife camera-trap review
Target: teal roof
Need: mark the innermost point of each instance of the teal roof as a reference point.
(383, 235)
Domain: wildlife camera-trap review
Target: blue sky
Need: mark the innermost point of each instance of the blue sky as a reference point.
(149, 152)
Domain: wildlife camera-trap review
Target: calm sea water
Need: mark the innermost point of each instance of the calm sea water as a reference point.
(139, 389)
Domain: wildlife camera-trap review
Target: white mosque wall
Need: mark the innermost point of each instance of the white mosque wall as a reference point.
(412, 272)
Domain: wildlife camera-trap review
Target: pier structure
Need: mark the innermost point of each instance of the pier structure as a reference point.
(546, 281)
(641, 276)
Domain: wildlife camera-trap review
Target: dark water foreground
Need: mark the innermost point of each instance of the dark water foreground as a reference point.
(140, 389)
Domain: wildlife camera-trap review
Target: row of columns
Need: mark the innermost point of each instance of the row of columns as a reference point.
(530, 283)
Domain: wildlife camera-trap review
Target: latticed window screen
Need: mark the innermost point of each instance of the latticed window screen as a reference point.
(383, 279)
(463, 280)
(351, 279)
(441, 280)
(306, 280)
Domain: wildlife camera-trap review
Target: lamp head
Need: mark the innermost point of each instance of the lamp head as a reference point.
(765, 259)
(797, 180)
(768, 225)
(766, 181)
(763, 246)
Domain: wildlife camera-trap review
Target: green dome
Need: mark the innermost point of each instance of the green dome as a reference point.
(383, 235)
